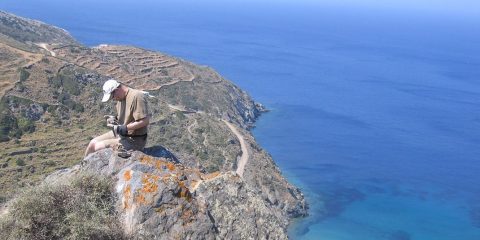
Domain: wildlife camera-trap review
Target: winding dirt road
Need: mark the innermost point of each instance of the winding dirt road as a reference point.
(44, 46)
(245, 155)
(243, 160)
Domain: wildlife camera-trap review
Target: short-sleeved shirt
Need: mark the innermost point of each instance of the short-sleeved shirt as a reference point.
(133, 108)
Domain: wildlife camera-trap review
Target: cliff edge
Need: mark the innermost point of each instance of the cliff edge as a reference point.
(202, 174)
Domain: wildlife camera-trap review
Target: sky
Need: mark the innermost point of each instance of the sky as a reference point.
(462, 9)
(467, 9)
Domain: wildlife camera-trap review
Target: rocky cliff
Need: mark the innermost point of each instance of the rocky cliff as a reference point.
(161, 198)
(216, 181)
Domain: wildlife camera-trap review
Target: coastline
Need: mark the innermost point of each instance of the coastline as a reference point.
(417, 124)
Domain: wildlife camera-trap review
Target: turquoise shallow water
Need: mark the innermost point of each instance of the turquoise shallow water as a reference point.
(374, 114)
(406, 218)
(350, 201)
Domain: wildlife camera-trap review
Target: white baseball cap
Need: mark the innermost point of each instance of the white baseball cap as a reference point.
(108, 88)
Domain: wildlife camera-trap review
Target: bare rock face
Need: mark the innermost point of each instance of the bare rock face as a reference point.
(159, 198)
(238, 211)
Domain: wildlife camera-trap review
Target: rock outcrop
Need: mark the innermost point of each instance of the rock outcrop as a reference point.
(159, 198)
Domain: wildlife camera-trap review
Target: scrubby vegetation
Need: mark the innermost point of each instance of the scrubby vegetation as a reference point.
(11, 126)
(7, 122)
(23, 30)
(66, 80)
(24, 74)
(82, 208)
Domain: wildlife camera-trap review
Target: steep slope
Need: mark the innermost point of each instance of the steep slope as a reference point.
(51, 108)
(30, 31)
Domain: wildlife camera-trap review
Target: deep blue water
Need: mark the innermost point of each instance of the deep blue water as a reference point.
(374, 114)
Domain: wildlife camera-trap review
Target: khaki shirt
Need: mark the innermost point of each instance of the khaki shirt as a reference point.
(133, 108)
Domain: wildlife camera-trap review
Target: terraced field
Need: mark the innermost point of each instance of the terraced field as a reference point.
(11, 59)
(137, 67)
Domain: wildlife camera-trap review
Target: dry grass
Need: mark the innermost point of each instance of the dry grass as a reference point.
(82, 208)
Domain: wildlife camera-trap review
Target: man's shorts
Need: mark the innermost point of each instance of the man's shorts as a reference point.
(133, 143)
(127, 143)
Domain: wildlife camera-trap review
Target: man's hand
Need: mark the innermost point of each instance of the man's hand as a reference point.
(111, 120)
(120, 130)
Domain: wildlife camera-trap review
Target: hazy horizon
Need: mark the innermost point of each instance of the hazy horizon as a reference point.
(463, 9)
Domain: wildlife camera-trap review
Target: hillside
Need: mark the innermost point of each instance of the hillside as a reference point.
(50, 108)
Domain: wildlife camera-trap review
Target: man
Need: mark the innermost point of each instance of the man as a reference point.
(129, 127)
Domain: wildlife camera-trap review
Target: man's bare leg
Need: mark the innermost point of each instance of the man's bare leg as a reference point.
(103, 141)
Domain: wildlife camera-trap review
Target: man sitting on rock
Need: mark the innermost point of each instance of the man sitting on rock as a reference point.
(129, 127)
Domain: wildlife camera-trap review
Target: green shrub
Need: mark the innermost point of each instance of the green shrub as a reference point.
(15, 133)
(50, 163)
(51, 108)
(81, 208)
(212, 168)
(20, 87)
(24, 74)
(67, 80)
(26, 125)
(42, 149)
(3, 137)
(66, 100)
(44, 106)
(180, 115)
(78, 107)
(20, 162)
(8, 126)
(71, 85)
(55, 81)
(74, 50)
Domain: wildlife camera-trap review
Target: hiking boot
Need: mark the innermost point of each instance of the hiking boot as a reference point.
(122, 152)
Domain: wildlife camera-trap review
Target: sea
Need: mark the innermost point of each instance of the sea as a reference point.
(374, 109)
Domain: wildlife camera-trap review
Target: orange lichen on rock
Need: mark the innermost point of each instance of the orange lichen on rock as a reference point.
(193, 183)
(140, 199)
(126, 196)
(159, 164)
(149, 183)
(127, 191)
(147, 160)
(170, 166)
(127, 175)
(211, 175)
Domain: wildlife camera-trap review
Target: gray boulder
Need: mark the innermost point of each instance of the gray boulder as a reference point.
(159, 198)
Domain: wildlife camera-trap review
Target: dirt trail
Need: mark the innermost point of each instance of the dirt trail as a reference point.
(243, 160)
(245, 155)
(190, 79)
(44, 46)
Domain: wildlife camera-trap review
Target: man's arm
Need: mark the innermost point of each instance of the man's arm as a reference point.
(138, 124)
